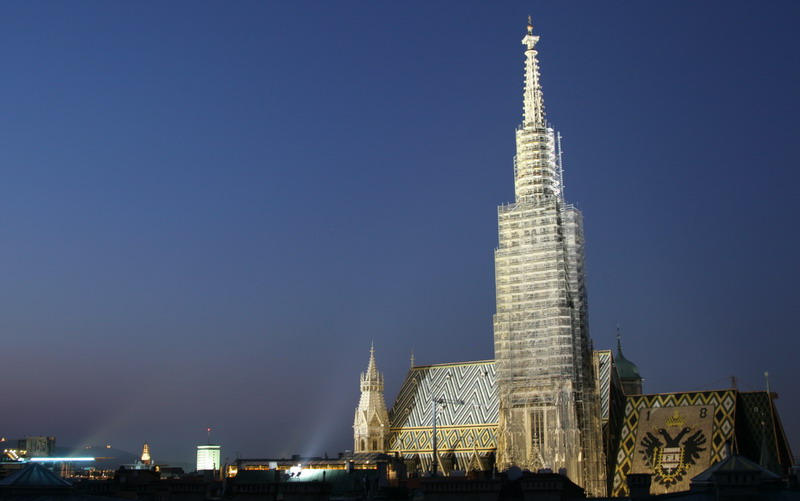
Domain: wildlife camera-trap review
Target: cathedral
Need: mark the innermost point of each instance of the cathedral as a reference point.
(548, 401)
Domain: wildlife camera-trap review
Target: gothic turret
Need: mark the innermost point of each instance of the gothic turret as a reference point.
(371, 424)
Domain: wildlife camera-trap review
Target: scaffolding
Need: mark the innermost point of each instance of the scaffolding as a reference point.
(549, 414)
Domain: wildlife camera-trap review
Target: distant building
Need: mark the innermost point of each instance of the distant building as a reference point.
(371, 423)
(37, 446)
(34, 482)
(208, 457)
(350, 476)
(145, 459)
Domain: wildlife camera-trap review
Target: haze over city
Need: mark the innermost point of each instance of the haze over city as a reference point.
(210, 210)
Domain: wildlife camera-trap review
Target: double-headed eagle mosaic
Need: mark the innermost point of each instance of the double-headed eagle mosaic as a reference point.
(670, 456)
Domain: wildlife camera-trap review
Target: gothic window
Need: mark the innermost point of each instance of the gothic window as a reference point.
(537, 429)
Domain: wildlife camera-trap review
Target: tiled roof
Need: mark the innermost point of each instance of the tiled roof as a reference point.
(473, 383)
(738, 464)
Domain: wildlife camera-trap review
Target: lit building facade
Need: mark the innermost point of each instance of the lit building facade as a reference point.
(208, 457)
(549, 411)
(37, 446)
(371, 423)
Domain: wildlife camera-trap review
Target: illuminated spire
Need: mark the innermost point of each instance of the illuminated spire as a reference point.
(537, 168)
(372, 379)
(146, 454)
(371, 423)
(534, 103)
(548, 409)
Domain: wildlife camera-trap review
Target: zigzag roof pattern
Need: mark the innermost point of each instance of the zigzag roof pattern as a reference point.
(474, 383)
(604, 361)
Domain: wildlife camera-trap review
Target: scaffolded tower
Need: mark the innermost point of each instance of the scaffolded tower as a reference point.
(549, 412)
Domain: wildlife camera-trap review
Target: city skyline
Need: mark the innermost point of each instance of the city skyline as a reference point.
(211, 210)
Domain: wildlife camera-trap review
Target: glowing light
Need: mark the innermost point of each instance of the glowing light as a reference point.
(54, 460)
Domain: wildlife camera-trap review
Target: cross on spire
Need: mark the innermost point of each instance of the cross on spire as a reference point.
(534, 102)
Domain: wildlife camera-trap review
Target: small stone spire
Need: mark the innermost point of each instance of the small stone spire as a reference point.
(412, 358)
(371, 423)
(371, 369)
(371, 380)
(534, 102)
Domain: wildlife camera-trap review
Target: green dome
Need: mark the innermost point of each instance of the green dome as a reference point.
(626, 369)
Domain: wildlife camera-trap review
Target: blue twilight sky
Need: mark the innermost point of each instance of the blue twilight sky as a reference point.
(208, 210)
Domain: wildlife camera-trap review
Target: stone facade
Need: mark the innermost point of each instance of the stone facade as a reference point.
(371, 423)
